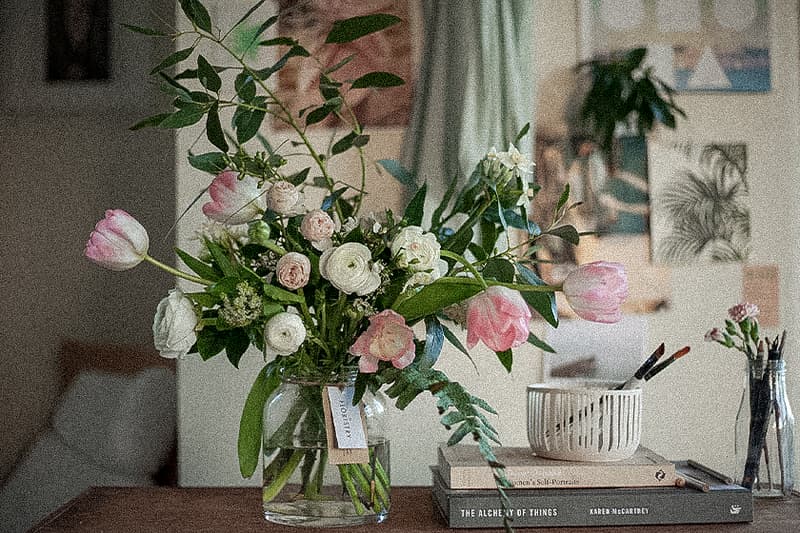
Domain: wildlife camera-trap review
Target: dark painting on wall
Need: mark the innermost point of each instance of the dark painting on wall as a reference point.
(78, 40)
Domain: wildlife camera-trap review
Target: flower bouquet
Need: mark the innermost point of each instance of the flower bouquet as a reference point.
(345, 307)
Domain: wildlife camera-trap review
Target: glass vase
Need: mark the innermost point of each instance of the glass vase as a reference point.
(774, 476)
(301, 485)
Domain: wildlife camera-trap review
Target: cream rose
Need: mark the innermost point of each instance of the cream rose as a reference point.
(174, 325)
(419, 251)
(349, 268)
(284, 198)
(284, 334)
(293, 270)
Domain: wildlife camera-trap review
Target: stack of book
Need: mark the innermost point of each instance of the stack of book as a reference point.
(644, 489)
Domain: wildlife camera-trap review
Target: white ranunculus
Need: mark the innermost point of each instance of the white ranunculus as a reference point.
(174, 325)
(417, 250)
(349, 268)
(284, 334)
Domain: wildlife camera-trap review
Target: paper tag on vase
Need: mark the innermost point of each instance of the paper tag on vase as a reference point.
(344, 427)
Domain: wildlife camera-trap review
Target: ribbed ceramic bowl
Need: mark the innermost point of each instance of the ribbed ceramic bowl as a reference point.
(584, 420)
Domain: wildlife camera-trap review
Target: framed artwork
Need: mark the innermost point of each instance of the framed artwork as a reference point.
(615, 206)
(693, 45)
(78, 40)
(309, 21)
(699, 200)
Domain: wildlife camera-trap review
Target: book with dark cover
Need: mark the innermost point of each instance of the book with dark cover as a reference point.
(463, 467)
(480, 508)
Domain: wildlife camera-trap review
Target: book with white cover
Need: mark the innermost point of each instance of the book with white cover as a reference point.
(463, 467)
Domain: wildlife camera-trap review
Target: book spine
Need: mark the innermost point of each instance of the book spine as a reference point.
(569, 477)
(554, 508)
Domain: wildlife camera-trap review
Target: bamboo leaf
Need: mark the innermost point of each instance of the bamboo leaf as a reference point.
(182, 118)
(145, 31)
(150, 122)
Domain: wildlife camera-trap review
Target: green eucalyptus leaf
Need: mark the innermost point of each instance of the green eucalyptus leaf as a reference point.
(196, 12)
(318, 115)
(543, 302)
(250, 12)
(278, 41)
(298, 177)
(360, 141)
(506, 358)
(251, 425)
(208, 75)
(247, 120)
(434, 340)
(562, 200)
(539, 343)
(210, 342)
(182, 118)
(236, 344)
(345, 31)
(343, 144)
(212, 162)
(150, 122)
(378, 80)
(214, 129)
(414, 210)
(499, 269)
(173, 59)
(400, 173)
(200, 268)
(245, 86)
(436, 296)
(566, 232)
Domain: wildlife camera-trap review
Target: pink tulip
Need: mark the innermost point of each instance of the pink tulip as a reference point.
(499, 317)
(118, 241)
(595, 291)
(387, 338)
(234, 200)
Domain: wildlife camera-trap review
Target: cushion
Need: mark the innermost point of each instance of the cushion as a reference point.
(121, 423)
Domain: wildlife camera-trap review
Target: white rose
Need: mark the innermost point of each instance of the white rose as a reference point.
(284, 334)
(349, 268)
(284, 198)
(174, 325)
(417, 250)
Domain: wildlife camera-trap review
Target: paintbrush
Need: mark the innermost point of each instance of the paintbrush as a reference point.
(637, 379)
(661, 366)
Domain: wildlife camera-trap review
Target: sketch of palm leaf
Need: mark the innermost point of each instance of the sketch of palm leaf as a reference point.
(706, 208)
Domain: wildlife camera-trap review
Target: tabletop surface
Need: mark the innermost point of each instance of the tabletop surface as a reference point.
(165, 509)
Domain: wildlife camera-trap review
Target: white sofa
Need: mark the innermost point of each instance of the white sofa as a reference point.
(108, 430)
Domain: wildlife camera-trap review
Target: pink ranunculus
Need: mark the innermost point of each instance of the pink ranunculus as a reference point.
(595, 291)
(293, 270)
(387, 338)
(233, 200)
(118, 241)
(317, 225)
(739, 312)
(499, 317)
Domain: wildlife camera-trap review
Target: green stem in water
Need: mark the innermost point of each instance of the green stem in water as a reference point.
(272, 490)
(347, 481)
(176, 272)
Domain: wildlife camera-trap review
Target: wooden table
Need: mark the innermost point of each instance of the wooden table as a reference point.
(167, 509)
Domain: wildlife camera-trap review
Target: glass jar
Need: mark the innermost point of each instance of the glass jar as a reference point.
(301, 485)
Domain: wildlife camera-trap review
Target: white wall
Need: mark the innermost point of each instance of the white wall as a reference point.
(689, 415)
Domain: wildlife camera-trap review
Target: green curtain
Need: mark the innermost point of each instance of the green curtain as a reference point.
(475, 88)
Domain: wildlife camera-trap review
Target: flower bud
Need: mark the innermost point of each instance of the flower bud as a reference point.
(258, 232)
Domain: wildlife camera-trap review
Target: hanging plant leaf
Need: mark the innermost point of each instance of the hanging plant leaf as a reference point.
(348, 30)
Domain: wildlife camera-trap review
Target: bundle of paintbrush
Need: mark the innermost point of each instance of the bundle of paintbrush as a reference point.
(650, 369)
